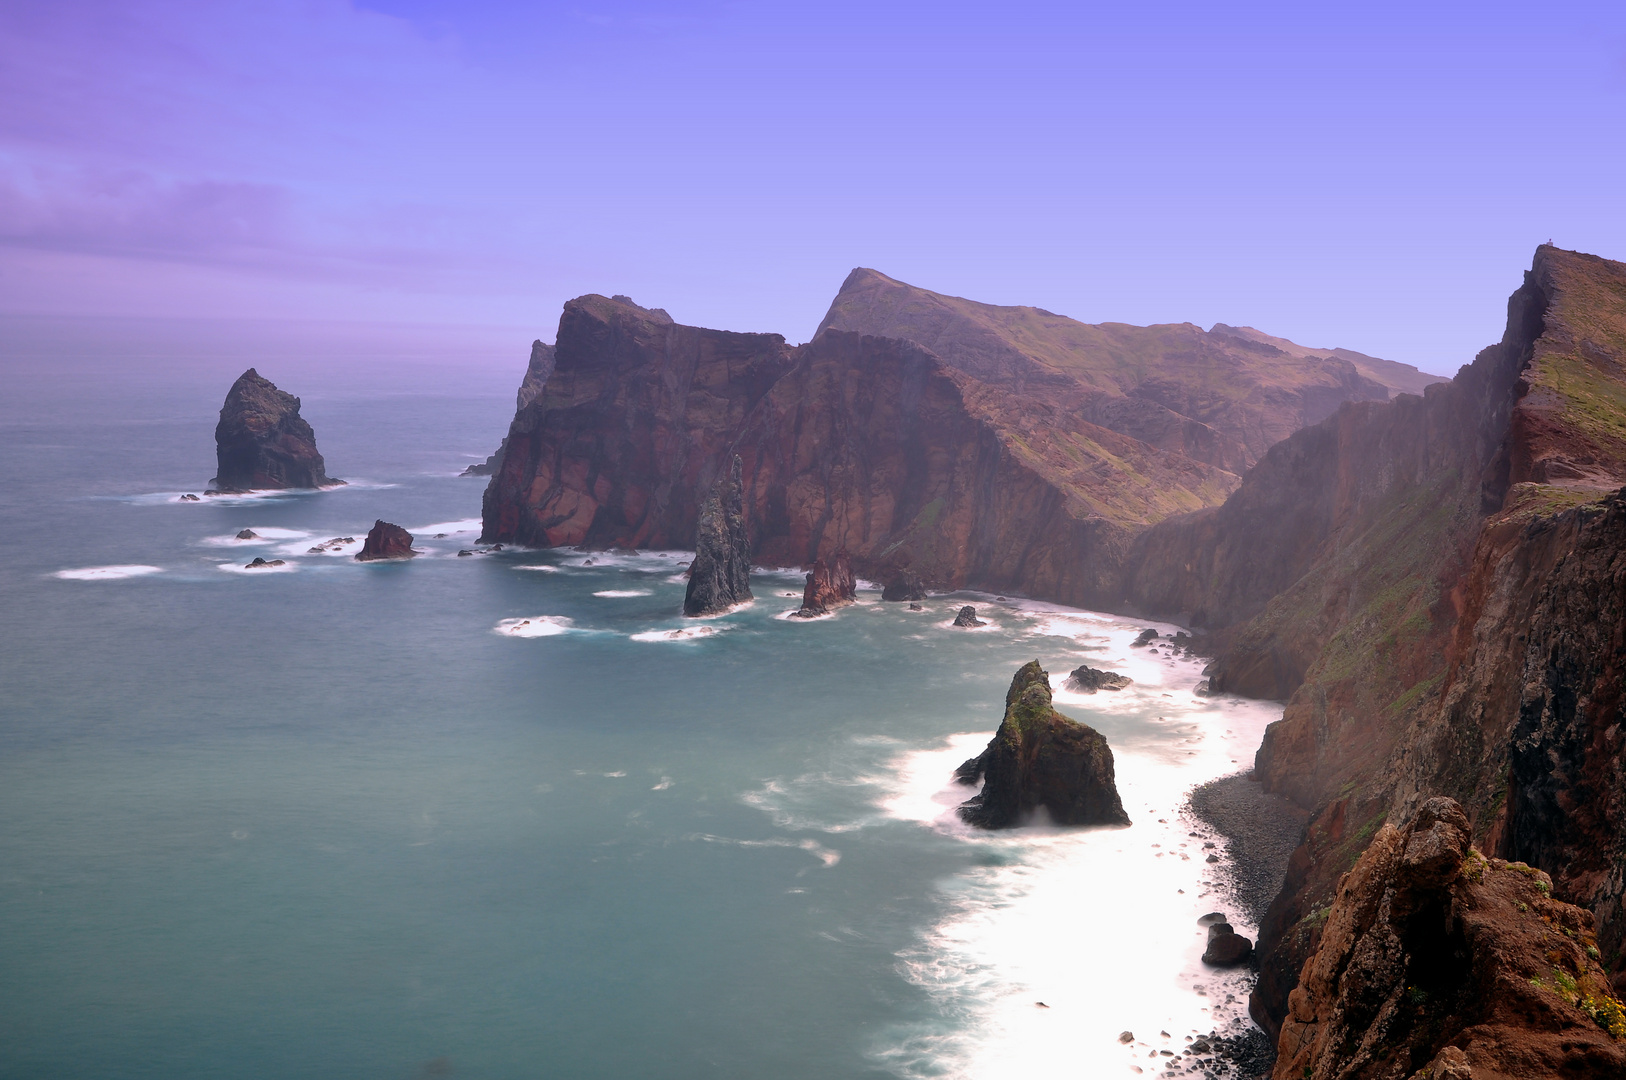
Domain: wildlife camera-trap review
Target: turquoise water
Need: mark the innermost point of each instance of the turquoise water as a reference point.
(510, 815)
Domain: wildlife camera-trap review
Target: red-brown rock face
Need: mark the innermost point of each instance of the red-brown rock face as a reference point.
(1437, 962)
(829, 585)
(386, 541)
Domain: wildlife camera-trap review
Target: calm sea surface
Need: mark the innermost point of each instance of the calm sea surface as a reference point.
(510, 815)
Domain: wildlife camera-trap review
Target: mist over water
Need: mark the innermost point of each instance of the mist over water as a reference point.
(510, 814)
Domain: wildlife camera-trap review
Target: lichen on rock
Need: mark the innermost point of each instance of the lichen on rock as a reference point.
(1041, 760)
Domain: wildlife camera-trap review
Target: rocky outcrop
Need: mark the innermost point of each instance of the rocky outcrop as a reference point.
(1087, 680)
(1435, 961)
(967, 617)
(904, 586)
(386, 541)
(720, 575)
(262, 443)
(1226, 947)
(829, 586)
(1039, 760)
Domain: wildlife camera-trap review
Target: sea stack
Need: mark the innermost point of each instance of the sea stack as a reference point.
(262, 443)
(386, 541)
(1039, 759)
(720, 576)
(829, 585)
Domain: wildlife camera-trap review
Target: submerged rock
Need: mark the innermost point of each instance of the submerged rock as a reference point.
(1040, 759)
(829, 585)
(386, 541)
(1087, 680)
(720, 576)
(904, 586)
(189, 497)
(248, 534)
(262, 443)
(262, 564)
(968, 617)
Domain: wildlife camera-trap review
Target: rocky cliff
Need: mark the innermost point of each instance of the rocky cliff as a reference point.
(1434, 585)
(1041, 761)
(1222, 396)
(537, 372)
(262, 443)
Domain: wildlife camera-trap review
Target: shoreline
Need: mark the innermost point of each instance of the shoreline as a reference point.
(1261, 831)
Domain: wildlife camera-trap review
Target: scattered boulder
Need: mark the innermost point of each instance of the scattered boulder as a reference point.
(189, 497)
(1040, 759)
(905, 585)
(1126, 1037)
(829, 585)
(248, 534)
(720, 576)
(1087, 680)
(386, 541)
(262, 443)
(1146, 638)
(968, 617)
(464, 553)
(262, 564)
(917, 607)
(1226, 947)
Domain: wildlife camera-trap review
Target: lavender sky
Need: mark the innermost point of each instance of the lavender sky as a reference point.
(1367, 175)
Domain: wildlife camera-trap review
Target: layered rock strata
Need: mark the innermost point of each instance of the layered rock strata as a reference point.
(720, 575)
(262, 443)
(1039, 760)
(386, 541)
(829, 586)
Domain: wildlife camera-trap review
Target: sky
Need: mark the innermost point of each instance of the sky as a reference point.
(1371, 176)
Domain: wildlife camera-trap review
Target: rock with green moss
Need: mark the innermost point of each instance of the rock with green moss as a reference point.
(1039, 759)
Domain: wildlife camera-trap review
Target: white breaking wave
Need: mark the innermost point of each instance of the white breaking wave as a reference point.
(243, 568)
(687, 633)
(535, 626)
(107, 573)
(621, 594)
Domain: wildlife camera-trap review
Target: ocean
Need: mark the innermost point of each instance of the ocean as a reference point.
(511, 815)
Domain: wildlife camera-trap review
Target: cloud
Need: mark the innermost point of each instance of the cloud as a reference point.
(129, 211)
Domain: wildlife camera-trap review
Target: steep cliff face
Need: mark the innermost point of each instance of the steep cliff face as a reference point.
(262, 443)
(537, 372)
(1434, 586)
(629, 431)
(1222, 397)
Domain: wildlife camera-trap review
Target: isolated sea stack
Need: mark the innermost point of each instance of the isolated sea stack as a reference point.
(720, 576)
(1040, 759)
(386, 541)
(829, 586)
(262, 443)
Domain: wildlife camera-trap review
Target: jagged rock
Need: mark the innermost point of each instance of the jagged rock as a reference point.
(464, 553)
(1146, 638)
(1087, 680)
(1039, 759)
(1226, 947)
(905, 585)
(386, 541)
(1429, 945)
(828, 586)
(720, 576)
(262, 564)
(917, 607)
(968, 617)
(248, 534)
(262, 443)
(189, 497)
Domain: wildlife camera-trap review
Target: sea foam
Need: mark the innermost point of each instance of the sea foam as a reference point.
(535, 626)
(107, 573)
